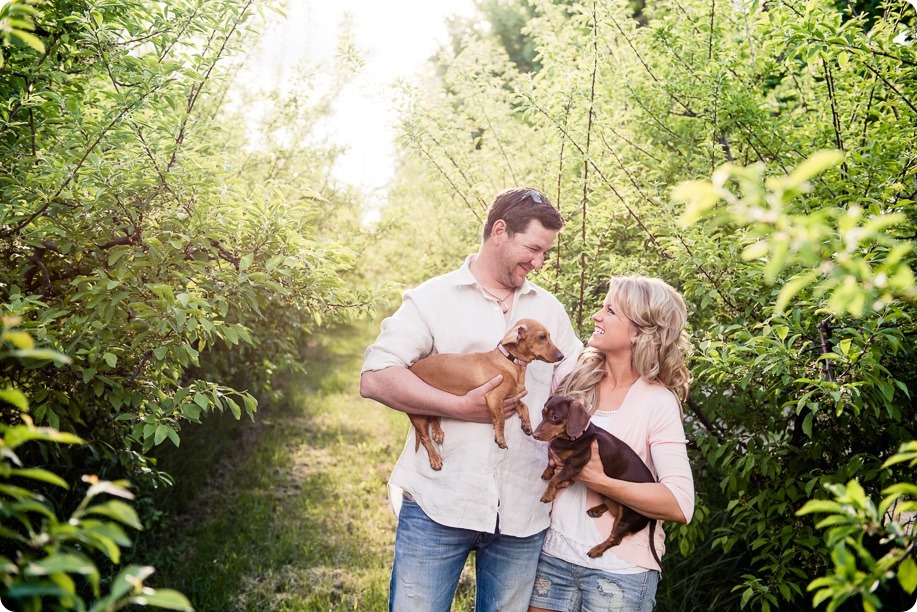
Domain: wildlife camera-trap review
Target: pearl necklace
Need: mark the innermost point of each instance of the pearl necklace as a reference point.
(503, 306)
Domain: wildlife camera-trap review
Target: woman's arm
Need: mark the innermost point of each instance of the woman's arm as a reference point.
(652, 499)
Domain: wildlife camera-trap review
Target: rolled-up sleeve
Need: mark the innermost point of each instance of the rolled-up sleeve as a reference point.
(668, 446)
(404, 339)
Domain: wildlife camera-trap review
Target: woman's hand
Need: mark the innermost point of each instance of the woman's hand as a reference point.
(593, 474)
(651, 499)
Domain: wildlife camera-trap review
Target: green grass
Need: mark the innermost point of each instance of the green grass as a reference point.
(295, 514)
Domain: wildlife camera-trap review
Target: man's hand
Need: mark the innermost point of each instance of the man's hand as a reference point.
(476, 404)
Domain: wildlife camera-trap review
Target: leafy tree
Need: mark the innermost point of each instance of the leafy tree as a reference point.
(802, 320)
(17, 26)
(141, 236)
(852, 518)
(41, 553)
(848, 260)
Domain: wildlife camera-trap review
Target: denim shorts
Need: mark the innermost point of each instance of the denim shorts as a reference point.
(560, 585)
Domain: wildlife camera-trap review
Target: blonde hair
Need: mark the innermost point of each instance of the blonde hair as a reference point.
(659, 314)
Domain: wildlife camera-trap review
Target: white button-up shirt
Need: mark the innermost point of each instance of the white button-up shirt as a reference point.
(480, 483)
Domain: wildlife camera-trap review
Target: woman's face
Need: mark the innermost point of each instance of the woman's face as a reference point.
(614, 333)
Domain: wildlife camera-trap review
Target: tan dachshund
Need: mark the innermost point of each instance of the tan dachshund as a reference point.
(525, 342)
(565, 424)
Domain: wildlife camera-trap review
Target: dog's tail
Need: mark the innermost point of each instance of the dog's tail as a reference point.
(653, 542)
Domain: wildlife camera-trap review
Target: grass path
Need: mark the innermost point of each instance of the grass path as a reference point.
(296, 515)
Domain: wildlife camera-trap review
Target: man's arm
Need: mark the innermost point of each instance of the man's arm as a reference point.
(399, 388)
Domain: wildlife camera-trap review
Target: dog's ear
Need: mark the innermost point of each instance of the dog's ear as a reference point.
(516, 334)
(577, 419)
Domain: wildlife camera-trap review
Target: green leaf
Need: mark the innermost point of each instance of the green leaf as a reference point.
(101, 543)
(20, 434)
(111, 359)
(30, 39)
(117, 510)
(191, 411)
(857, 493)
(907, 574)
(173, 436)
(234, 408)
(42, 354)
(21, 591)
(814, 165)
(68, 563)
(755, 251)
(15, 397)
(108, 530)
(129, 580)
(900, 457)
(163, 598)
(7, 566)
(20, 339)
(700, 196)
(245, 261)
(41, 475)
(807, 425)
(118, 488)
(30, 505)
(792, 287)
(845, 346)
(820, 505)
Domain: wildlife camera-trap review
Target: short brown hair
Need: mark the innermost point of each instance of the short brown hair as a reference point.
(518, 206)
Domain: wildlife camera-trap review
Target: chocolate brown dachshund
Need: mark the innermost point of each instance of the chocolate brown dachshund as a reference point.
(565, 424)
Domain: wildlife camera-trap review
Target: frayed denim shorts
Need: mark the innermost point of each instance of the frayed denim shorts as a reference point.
(560, 585)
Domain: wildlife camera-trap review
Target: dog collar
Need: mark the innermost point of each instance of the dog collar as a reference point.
(510, 356)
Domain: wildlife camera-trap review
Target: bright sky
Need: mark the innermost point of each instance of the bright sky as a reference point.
(395, 38)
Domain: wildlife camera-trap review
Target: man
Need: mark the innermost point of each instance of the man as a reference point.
(485, 498)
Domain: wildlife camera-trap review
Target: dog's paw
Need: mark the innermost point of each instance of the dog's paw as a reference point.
(596, 552)
(597, 511)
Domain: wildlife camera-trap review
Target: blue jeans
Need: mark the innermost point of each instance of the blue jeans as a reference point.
(429, 558)
(561, 585)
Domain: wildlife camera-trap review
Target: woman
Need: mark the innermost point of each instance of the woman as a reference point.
(633, 378)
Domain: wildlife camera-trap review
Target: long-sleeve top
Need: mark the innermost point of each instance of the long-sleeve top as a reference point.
(649, 421)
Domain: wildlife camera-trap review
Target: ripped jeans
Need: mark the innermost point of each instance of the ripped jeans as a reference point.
(429, 558)
(560, 585)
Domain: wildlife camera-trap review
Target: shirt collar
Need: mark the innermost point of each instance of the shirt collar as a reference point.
(465, 277)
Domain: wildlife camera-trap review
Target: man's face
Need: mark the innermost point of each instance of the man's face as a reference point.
(523, 252)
